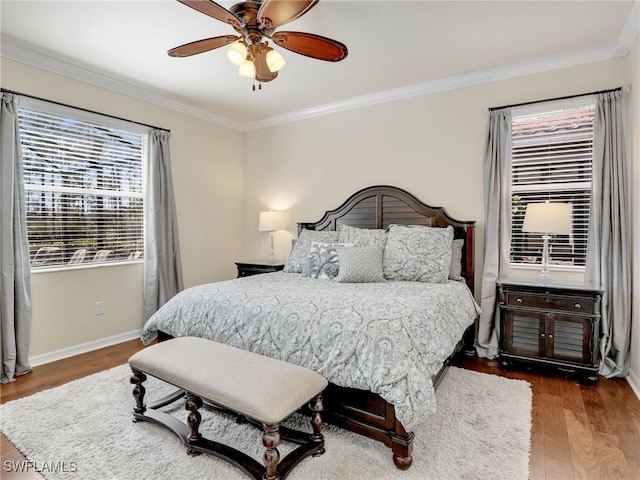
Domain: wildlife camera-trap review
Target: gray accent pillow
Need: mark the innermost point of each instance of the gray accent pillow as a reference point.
(418, 254)
(455, 269)
(360, 265)
(322, 260)
(362, 237)
(301, 248)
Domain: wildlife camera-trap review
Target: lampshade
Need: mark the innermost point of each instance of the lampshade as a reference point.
(247, 69)
(271, 221)
(275, 61)
(237, 53)
(547, 218)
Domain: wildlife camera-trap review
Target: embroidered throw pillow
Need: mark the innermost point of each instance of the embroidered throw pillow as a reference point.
(322, 260)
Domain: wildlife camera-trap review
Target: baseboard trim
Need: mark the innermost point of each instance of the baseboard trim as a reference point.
(634, 382)
(83, 348)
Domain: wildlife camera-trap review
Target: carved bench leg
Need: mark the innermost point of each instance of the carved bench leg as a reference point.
(137, 377)
(193, 403)
(271, 439)
(317, 407)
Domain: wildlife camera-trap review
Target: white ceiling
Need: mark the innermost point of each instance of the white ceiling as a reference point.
(396, 49)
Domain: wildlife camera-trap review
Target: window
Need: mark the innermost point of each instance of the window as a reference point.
(83, 189)
(552, 155)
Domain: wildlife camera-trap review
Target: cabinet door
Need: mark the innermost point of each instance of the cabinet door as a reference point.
(569, 338)
(523, 333)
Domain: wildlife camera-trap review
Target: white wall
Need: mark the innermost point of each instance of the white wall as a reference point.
(207, 177)
(432, 146)
(223, 179)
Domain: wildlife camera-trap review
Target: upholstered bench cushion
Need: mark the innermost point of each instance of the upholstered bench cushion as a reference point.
(259, 387)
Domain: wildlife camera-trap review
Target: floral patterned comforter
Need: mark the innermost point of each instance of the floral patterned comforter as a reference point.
(389, 338)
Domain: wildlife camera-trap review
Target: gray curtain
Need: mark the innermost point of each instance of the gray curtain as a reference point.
(162, 266)
(609, 246)
(15, 279)
(497, 228)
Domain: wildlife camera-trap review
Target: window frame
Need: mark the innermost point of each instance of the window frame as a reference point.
(106, 121)
(542, 108)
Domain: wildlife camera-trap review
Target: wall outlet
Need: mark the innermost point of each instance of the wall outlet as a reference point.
(99, 308)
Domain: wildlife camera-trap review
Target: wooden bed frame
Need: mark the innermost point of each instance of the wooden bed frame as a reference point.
(362, 411)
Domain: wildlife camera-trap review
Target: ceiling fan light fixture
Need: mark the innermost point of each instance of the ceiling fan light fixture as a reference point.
(275, 61)
(255, 21)
(247, 69)
(237, 53)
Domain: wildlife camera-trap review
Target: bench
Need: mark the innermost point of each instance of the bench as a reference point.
(262, 390)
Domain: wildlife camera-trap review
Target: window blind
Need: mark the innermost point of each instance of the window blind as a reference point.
(83, 190)
(552, 161)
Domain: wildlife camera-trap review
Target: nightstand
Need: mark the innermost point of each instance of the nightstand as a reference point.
(254, 267)
(553, 325)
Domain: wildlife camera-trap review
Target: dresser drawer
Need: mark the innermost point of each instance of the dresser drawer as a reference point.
(550, 302)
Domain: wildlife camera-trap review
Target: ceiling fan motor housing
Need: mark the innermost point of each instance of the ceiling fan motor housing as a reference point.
(252, 32)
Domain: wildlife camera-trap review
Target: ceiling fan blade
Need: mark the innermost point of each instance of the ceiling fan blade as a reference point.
(310, 45)
(274, 13)
(215, 11)
(200, 46)
(263, 74)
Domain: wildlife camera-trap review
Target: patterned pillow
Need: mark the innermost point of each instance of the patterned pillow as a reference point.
(455, 270)
(362, 237)
(418, 254)
(322, 260)
(360, 265)
(300, 250)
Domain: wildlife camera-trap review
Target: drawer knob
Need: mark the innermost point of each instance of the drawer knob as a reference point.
(518, 300)
(542, 335)
(577, 306)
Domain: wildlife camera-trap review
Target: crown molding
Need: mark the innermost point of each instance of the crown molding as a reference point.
(454, 82)
(100, 78)
(631, 28)
(103, 79)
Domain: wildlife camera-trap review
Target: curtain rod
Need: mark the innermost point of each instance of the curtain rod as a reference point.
(83, 109)
(626, 89)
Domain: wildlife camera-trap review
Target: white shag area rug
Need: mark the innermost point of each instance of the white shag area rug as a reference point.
(83, 430)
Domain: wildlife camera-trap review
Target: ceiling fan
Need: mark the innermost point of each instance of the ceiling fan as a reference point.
(255, 21)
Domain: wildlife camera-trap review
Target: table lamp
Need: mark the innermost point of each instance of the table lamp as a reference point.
(547, 218)
(270, 222)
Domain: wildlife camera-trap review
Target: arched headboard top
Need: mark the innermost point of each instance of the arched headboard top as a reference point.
(382, 205)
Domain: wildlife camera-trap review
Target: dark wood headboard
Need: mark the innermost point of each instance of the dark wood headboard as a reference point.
(382, 205)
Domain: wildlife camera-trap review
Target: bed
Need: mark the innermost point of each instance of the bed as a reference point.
(383, 343)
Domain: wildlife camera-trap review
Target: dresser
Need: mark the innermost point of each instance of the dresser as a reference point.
(254, 267)
(557, 326)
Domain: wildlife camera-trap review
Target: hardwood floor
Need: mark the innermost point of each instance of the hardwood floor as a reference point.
(578, 431)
